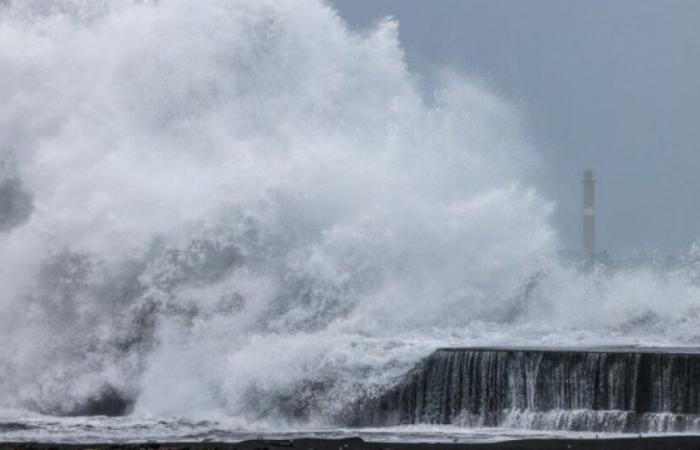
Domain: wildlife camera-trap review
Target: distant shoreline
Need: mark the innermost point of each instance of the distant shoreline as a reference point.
(643, 443)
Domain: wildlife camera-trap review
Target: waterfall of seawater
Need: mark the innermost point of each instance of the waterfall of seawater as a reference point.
(243, 210)
(576, 390)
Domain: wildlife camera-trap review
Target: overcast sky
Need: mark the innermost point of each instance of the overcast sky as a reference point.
(611, 85)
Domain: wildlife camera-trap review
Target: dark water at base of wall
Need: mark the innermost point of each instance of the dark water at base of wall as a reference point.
(656, 443)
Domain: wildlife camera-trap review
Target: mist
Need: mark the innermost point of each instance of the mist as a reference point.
(252, 212)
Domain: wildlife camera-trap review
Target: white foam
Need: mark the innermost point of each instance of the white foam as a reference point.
(246, 210)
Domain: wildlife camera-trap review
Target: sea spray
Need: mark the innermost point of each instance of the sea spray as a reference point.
(245, 209)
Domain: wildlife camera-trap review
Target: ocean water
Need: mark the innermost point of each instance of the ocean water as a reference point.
(94, 429)
(248, 216)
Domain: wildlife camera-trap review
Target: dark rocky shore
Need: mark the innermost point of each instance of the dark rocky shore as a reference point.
(645, 443)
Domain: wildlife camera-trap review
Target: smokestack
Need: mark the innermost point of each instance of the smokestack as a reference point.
(588, 215)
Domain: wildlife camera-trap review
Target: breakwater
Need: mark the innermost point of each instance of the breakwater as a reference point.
(609, 389)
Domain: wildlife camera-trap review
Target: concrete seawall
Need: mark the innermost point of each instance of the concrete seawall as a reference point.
(614, 389)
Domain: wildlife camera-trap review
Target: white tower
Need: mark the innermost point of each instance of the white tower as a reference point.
(588, 216)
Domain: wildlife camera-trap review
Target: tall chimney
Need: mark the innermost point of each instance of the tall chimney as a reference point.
(588, 216)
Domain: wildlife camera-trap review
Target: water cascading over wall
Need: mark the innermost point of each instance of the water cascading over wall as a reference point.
(630, 390)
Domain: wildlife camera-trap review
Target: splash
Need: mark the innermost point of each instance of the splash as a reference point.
(245, 209)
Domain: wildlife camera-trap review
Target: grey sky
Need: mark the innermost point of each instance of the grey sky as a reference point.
(614, 85)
